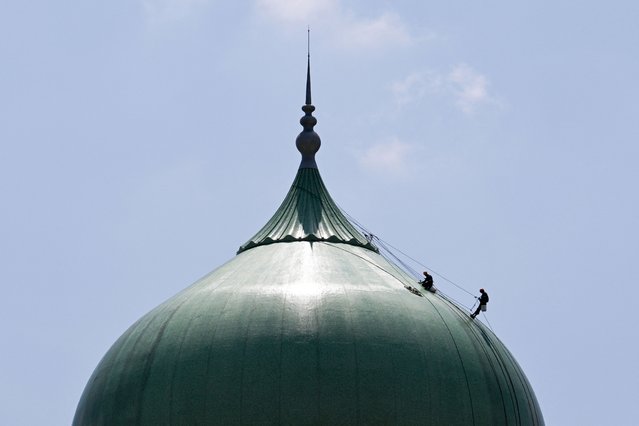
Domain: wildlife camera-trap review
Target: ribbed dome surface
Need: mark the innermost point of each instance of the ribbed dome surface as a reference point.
(307, 333)
(308, 213)
(308, 324)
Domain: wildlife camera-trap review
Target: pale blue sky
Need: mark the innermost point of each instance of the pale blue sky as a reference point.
(142, 141)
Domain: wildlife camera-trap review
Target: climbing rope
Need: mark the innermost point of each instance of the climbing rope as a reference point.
(393, 259)
(488, 322)
(388, 252)
(430, 269)
(385, 245)
(396, 270)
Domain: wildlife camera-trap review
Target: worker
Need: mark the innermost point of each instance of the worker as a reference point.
(483, 301)
(427, 283)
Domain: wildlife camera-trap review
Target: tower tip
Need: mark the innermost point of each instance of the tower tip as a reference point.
(308, 66)
(308, 142)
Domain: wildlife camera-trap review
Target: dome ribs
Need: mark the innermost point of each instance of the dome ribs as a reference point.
(308, 213)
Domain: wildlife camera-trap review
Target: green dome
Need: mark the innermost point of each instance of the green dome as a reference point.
(307, 332)
(308, 324)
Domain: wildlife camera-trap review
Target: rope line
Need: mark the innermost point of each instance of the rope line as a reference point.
(452, 301)
(429, 268)
(475, 329)
(415, 274)
(385, 243)
(488, 322)
(459, 355)
(364, 259)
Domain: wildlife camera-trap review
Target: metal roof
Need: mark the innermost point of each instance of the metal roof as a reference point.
(308, 213)
(307, 333)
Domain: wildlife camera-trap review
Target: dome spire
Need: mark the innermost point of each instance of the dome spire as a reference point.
(308, 66)
(308, 213)
(308, 142)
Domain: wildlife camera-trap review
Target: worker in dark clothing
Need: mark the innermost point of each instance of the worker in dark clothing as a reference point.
(483, 301)
(427, 283)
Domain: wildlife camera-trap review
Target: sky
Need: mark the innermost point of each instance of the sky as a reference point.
(143, 141)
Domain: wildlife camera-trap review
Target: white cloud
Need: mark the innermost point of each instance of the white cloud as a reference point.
(349, 30)
(470, 88)
(463, 86)
(297, 11)
(393, 157)
(414, 87)
(159, 12)
(385, 30)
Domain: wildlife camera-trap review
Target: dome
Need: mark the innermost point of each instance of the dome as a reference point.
(308, 324)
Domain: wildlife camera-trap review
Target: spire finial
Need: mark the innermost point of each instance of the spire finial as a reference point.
(308, 142)
(308, 66)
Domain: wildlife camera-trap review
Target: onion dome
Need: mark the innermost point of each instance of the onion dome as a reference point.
(308, 324)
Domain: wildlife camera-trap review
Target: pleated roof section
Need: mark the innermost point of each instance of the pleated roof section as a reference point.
(308, 213)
